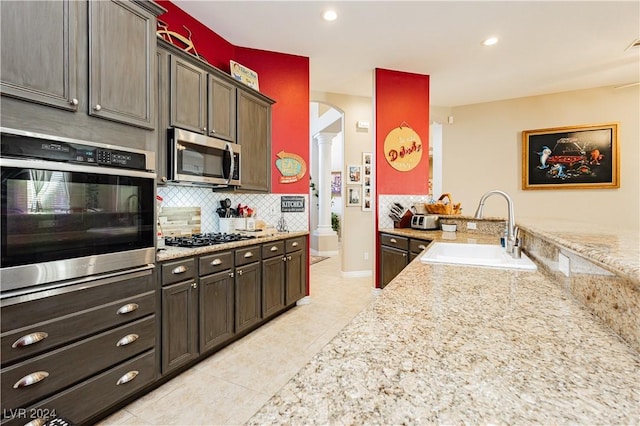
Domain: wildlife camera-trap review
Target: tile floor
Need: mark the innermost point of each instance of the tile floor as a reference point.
(231, 385)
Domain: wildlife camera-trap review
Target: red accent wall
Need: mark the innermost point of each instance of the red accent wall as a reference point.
(401, 97)
(282, 77)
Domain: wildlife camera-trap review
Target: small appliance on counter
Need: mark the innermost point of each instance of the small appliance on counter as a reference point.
(424, 221)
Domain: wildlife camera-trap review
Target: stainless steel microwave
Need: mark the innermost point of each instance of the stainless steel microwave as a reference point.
(196, 158)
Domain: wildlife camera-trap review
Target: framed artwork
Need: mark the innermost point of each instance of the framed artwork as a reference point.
(574, 157)
(336, 183)
(354, 195)
(354, 174)
(367, 180)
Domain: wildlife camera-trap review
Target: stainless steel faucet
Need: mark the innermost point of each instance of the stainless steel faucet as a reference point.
(512, 230)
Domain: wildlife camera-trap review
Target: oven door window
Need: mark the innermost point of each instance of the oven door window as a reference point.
(52, 215)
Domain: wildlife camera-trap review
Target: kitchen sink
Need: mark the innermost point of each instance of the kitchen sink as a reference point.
(487, 255)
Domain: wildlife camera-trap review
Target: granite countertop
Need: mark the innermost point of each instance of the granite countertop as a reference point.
(169, 253)
(455, 344)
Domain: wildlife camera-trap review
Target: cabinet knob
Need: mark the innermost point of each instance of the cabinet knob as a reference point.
(288, 257)
(204, 129)
(421, 247)
(194, 285)
(30, 339)
(130, 307)
(129, 338)
(73, 101)
(231, 274)
(404, 254)
(127, 377)
(163, 179)
(31, 379)
(284, 258)
(97, 107)
(393, 240)
(240, 272)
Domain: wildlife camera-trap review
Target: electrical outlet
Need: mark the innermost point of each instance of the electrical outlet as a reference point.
(366, 255)
(472, 225)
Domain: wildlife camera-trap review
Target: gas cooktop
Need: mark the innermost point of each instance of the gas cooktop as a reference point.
(208, 239)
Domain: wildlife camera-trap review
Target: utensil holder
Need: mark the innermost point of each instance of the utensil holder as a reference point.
(405, 221)
(227, 225)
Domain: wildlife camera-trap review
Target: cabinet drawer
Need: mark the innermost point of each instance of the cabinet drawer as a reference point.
(81, 402)
(389, 240)
(24, 311)
(295, 244)
(215, 263)
(275, 248)
(181, 270)
(35, 339)
(248, 255)
(70, 364)
(417, 246)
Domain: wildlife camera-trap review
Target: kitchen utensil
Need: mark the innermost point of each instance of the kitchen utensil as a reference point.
(221, 212)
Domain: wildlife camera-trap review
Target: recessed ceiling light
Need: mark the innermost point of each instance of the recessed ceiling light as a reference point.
(490, 41)
(330, 15)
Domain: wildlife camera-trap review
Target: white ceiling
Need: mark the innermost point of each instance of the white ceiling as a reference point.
(544, 47)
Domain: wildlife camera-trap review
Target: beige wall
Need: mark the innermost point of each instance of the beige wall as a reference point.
(357, 226)
(482, 151)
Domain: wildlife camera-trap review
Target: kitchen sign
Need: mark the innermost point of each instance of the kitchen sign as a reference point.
(403, 148)
(292, 204)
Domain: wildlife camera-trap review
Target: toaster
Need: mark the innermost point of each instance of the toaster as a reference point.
(424, 221)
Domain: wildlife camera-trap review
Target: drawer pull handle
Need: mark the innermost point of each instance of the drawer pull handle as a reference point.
(393, 240)
(129, 307)
(129, 338)
(31, 379)
(421, 247)
(179, 270)
(30, 339)
(216, 262)
(127, 377)
(274, 248)
(248, 255)
(37, 422)
(294, 244)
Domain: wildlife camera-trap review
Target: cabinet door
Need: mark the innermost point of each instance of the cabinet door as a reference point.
(392, 261)
(188, 96)
(122, 63)
(179, 324)
(162, 57)
(222, 109)
(248, 289)
(296, 265)
(216, 310)
(35, 34)
(254, 134)
(273, 275)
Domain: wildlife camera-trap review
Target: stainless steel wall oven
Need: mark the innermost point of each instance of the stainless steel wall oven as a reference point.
(72, 209)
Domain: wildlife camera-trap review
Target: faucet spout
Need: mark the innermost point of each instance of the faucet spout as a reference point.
(511, 223)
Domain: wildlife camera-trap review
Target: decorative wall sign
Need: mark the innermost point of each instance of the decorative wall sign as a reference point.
(291, 166)
(403, 148)
(571, 157)
(292, 204)
(244, 75)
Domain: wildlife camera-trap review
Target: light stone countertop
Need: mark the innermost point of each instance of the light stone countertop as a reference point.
(452, 344)
(170, 253)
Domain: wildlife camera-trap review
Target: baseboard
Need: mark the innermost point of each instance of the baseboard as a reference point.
(376, 291)
(328, 253)
(356, 274)
(304, 301)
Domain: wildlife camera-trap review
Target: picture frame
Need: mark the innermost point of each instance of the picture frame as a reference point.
(367, 180)
(354, 174)
(336, 184)
(354, 195)
(572, 157)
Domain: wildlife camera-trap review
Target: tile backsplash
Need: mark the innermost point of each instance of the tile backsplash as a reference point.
(385, 202)
(266, 206)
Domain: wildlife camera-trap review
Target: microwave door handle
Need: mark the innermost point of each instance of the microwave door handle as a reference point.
(232, 164)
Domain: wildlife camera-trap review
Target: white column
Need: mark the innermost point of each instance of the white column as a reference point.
(326, 238)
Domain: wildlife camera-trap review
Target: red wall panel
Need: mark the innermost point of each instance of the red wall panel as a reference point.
(401, 99)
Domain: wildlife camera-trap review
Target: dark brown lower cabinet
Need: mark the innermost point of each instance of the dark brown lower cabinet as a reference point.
(296, 276)
(179, 324)
(216, 310)
(392, 261)
(248, 280)
(273, 280)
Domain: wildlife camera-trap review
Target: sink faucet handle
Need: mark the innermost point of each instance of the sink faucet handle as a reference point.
(516, 233)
